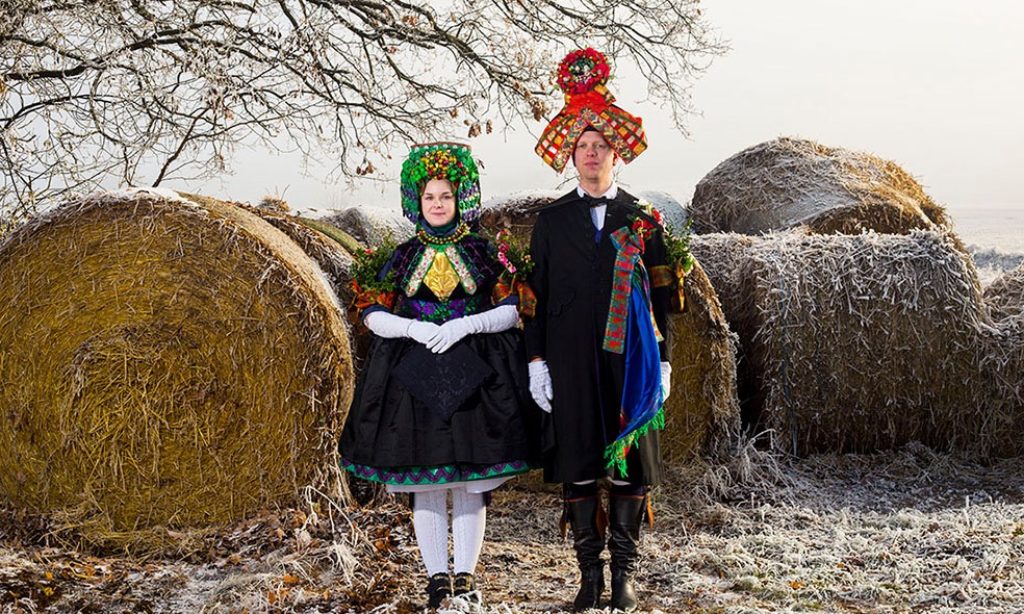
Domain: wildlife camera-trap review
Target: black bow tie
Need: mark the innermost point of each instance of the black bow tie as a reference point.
(592, 202)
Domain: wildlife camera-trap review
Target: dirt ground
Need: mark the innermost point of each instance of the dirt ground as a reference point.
(904, 531)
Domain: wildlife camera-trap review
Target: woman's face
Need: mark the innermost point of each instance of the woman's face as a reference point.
(437, 203)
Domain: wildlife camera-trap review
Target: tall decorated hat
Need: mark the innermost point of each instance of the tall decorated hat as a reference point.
(583, 76)
(451, 161)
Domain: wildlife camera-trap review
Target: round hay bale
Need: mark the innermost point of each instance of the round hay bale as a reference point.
(166, 362)
(674, 213)
(1005, 295)
(702, 412)
(330, 252)
(724, 257)
(866, 342)
(788, 183)
(516, 212)
(370, 225)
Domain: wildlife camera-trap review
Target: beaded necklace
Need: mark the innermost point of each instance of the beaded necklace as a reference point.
(460, 233)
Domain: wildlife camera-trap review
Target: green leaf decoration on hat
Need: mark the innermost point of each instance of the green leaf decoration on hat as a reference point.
(451, 161)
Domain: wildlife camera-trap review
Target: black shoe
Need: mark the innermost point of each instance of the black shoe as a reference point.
(625, 514)
(439, 587)
(465, 584)
(588, 541)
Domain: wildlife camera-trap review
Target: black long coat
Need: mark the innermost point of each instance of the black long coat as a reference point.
(572, 278)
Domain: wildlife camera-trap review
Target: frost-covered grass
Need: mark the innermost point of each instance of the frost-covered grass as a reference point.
(905, 531)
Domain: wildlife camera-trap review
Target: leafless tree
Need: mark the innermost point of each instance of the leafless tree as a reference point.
(139, 91)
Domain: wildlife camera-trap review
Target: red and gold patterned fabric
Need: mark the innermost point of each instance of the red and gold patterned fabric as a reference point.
(583, 75)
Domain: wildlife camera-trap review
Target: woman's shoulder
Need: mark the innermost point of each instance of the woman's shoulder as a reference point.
(404, 255)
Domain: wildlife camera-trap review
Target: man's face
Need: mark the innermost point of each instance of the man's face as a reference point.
(594, 158)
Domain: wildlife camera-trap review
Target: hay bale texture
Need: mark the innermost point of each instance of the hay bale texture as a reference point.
(702, 412)
(166, 363)
(1005, 296)
(790, 183)
(371, 225)
(331, 248)
(866, 342)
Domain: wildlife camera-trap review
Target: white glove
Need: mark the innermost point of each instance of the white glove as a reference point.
(422, 332)
(390, 326)
(448, 334)
(666, 380)
(490, 321)
(540, 384)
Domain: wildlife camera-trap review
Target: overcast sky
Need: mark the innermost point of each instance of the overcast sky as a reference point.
(936, 85)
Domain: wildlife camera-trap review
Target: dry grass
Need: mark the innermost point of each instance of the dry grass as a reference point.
(166, 364)
(866, 342)
(791, 183)
(901, 531)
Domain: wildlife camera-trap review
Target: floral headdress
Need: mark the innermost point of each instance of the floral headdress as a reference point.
(451, 161)
(583, 76)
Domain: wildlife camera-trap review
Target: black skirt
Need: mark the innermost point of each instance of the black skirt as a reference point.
(393, 437)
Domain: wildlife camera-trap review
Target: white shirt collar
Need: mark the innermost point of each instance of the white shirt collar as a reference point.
(612, 191)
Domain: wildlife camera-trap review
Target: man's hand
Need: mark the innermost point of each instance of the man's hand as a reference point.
(540, 384)
(666, 380)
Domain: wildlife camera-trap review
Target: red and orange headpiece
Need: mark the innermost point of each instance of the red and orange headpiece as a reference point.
(583, 75)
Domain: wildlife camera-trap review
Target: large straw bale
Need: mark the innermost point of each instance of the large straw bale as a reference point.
(370, 225)
(865, 342)
(788, 183)
(702, 412)
(516, 212)
(1005, 295)
(166, 363)
(329, 247)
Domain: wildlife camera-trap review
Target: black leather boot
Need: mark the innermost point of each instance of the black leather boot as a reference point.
(625, 513)
(588, 540)
(439, 587)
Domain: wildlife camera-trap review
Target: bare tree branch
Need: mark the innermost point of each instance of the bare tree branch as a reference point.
(99, 90)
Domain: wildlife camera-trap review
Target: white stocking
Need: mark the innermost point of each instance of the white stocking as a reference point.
(469, 516)
(430, 519)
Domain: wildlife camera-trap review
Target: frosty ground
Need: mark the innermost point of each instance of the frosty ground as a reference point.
(905, 531)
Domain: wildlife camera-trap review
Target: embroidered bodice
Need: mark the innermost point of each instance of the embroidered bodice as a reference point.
(437, 283)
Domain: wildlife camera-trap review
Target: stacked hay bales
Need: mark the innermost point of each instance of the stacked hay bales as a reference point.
(702, 413)
(869, 341)
(167, 363)
(789, 183)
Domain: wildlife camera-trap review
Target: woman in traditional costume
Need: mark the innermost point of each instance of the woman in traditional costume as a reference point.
(442, 403)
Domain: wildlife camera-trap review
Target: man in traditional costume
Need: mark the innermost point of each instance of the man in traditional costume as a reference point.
(599, 341)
